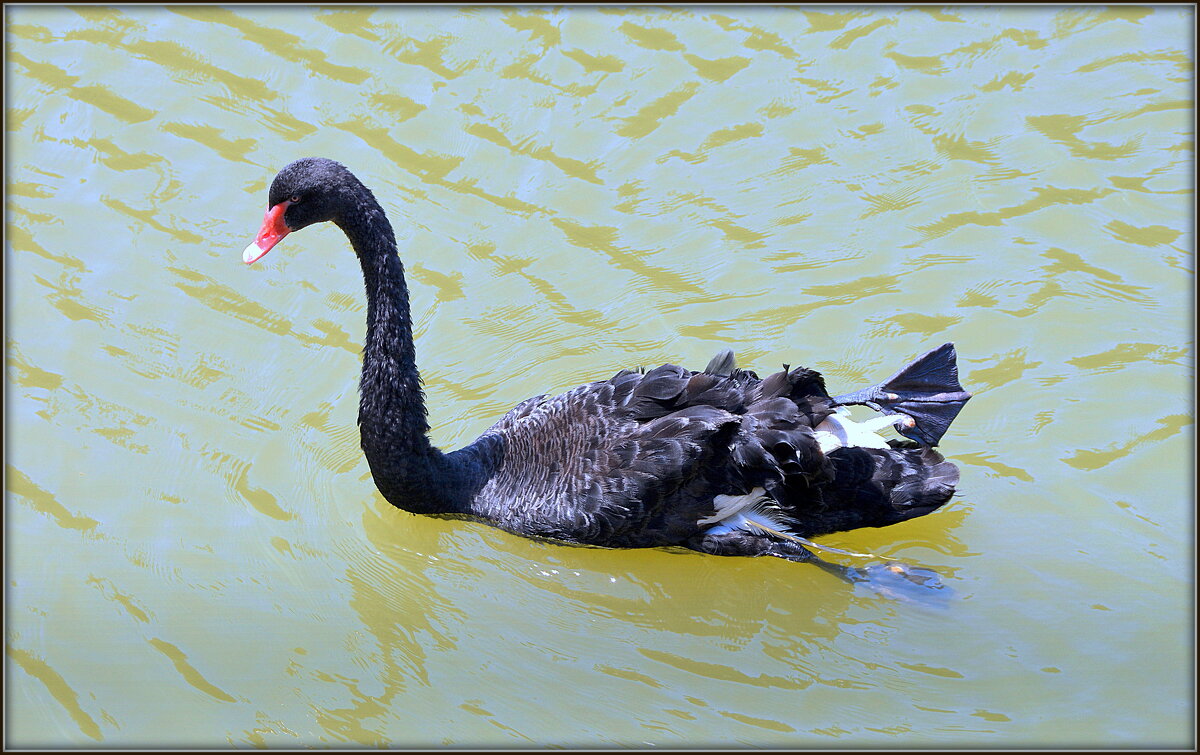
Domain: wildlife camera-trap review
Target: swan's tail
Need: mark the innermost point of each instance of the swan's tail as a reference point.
(875, 487)
(926, 392)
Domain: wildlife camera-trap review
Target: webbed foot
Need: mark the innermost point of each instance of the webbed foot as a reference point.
(926, 391)
(911, 584)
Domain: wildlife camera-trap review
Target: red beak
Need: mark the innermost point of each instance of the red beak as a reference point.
(272, 232)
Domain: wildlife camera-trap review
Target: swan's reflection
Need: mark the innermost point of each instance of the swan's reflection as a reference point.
(502, 607)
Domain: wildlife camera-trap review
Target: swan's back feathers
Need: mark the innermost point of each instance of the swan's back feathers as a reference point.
(637, 459)
(607, 463)
(722, 364)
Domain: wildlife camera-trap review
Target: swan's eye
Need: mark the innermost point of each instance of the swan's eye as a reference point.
(294, 198)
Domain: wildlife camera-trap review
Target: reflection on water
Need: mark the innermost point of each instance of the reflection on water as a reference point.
(190, 521)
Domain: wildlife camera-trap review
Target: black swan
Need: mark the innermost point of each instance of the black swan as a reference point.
(719, 461)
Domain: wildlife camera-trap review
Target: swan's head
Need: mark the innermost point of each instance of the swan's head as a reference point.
(309, 190)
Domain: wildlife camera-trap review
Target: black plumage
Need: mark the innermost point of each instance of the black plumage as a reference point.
(718, 460)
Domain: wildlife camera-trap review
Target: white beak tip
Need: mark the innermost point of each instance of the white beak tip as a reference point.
(252, 253)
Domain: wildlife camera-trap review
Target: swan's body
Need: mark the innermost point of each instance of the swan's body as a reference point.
(717, 460)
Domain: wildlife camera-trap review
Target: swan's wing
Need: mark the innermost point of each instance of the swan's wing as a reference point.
(640, 458)
(604, 462)
(643, 459)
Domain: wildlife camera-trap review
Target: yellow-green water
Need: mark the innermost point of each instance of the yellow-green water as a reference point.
(196, 555)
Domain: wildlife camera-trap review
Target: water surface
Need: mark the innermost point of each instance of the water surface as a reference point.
(196, 555)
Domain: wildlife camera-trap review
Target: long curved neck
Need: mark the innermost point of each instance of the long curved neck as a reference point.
(391, 415)
(408, 470)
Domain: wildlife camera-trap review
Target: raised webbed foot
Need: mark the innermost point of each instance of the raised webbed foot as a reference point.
(926, 391)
